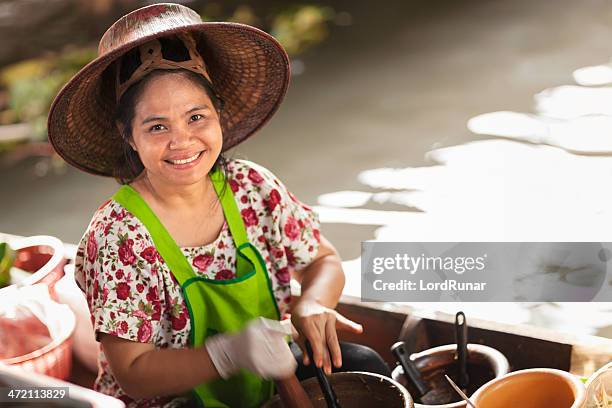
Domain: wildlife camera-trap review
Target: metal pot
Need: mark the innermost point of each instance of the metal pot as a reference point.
(444, 356)
(356, 390)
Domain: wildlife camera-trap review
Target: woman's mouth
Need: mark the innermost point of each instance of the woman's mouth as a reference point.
(184, 162)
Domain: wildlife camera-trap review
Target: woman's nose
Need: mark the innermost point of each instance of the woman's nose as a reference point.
(181, 138)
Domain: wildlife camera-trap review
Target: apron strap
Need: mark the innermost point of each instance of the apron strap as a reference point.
(132, 201)
(230, 209)
(164, 243)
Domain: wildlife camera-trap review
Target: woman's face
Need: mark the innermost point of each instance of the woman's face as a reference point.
(176, 131)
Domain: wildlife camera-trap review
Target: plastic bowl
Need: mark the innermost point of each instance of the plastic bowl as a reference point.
(532, 388)
(55, 358)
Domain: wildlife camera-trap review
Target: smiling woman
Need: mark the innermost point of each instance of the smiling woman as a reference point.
(186, 269)
(205, 105)
(174, 130)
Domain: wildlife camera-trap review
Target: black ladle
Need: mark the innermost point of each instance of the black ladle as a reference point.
(463, 380)
(427, 395)
(410, 369)
(326, 388)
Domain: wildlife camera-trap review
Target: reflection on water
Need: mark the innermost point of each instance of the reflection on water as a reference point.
(583, 135)
(570, 101)
(501, 190)
(594, 75)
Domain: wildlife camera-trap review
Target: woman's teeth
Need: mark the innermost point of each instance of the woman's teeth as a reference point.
(185, 161)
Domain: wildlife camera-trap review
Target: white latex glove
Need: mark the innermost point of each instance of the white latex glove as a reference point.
(260, 348)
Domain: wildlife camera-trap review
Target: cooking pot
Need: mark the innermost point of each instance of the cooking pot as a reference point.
(356, 389)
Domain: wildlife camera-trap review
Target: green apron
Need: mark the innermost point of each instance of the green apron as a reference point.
(217, 306)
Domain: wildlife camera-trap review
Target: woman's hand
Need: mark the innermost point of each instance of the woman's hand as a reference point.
(318, 324)
(260, 347)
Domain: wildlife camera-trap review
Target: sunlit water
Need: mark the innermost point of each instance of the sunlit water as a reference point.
(553, 188)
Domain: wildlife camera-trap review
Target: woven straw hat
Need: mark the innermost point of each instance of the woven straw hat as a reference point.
(248, 68)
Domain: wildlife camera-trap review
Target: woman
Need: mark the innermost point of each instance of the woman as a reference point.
(186, 269)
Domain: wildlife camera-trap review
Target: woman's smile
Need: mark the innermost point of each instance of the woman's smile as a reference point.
(185, 161)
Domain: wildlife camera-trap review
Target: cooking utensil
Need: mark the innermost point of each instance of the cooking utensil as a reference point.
(326, 388)
(410, 369)
(463, 379)
(435, 396)
(461, 393)
(292, 393)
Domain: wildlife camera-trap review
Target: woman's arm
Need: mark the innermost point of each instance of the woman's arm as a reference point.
(322, 280)
(146, 372)
(313, 316)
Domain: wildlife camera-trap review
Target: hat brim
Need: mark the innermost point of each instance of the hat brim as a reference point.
(248, 67)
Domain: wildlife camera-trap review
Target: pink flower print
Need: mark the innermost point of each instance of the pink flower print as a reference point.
(149, 254)
(152, 294)
(145, 331)
(317, 234)
(179, 322)
(292, 230)
(275, 199)
(249, 216)
(224, 274)
(202, 262)
(92, 247)
(283, 276)
(254, 176)
(123, 290)
(290, 255)
(278, 253)
(118, 216)
(96, 289)
(234, 185)
(126, 252)
(156, 311)
(123, 327)
(139, 313)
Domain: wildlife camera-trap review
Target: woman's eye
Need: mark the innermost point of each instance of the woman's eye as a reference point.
(195, 117)
(156, 128)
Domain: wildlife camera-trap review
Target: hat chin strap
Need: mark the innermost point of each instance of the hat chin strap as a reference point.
(152, 58)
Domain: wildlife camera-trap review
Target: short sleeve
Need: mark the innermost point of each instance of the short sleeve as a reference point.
(292, 227)
(116, 267)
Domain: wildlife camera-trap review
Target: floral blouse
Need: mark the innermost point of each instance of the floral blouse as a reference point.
(132, 294)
